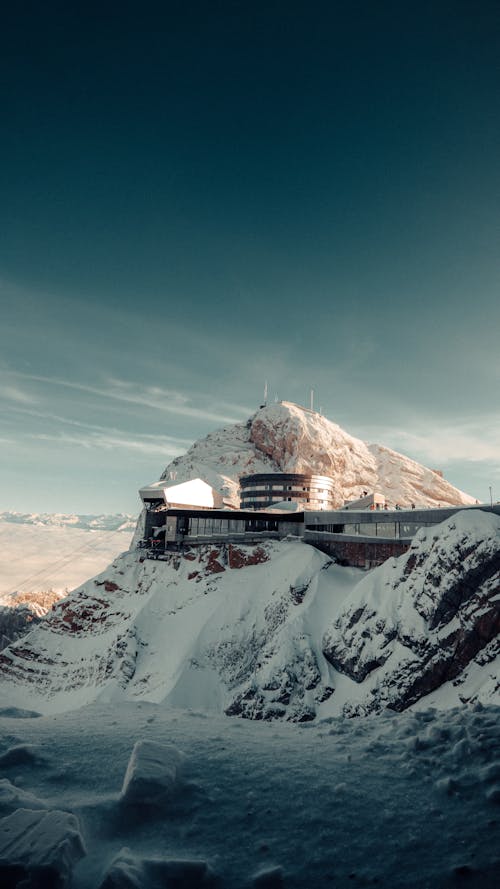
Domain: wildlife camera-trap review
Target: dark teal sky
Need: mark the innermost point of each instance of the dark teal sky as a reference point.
(198, 197)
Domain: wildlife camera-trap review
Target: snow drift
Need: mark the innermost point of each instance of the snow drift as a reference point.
(400, 800)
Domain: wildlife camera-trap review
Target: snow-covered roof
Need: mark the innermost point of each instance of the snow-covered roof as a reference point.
(195, 492)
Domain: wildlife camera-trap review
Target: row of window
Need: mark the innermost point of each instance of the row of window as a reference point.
(273, 489)
(209, 527)
(373, 529)
(262, 499)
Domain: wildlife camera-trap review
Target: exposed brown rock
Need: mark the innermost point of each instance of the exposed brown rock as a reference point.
(213, 566)
(241, 558)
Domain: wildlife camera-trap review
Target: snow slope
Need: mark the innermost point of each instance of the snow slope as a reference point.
(284, 437)
(241, 630)
(234, 628)
(400, 801)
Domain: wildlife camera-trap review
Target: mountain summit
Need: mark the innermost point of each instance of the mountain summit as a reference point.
(285, 437)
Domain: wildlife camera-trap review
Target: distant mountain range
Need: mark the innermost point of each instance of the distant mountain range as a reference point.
(113, 522)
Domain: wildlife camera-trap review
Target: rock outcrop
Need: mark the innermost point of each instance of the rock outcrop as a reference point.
(428, 618)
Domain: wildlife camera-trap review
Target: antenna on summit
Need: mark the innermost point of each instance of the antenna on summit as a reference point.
(264, 403)
(312, 399)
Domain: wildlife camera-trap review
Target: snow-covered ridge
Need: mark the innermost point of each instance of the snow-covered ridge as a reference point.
(241, 630)
(284, 437)
(426, 623)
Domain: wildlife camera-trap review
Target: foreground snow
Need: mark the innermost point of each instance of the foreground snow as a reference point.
(171, 798)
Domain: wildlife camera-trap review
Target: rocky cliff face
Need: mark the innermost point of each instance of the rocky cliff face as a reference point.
(286, 438)
(429, 618)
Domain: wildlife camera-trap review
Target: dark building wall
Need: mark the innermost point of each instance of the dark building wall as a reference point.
(361, 554)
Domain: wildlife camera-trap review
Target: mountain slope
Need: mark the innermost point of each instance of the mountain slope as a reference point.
(286, 438)
(242, 630)
(223, 628)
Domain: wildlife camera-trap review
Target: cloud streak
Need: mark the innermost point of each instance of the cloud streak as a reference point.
(154, 397)
(445, 444)
(146, 444)
(174, 441)
(15, 394)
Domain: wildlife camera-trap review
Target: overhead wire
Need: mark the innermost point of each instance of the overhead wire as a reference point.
(44, 574)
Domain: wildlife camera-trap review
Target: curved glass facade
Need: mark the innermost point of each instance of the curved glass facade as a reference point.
(263, 489)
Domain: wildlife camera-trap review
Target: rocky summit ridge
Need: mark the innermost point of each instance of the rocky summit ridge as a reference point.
(284, 437)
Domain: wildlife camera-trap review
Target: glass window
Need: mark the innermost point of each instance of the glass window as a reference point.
(367, 529)
(408, 529)
(386, 529)
(351, 529)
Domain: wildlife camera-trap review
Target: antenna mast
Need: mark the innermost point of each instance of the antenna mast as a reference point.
(264, 403)
(312, 399)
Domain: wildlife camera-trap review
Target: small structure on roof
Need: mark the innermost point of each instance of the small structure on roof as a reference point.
(195, 493)
(367, 501)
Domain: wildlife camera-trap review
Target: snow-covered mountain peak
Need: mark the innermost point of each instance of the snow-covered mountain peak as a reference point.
(285, 437)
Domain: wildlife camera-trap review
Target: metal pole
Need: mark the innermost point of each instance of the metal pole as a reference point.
(491, 495)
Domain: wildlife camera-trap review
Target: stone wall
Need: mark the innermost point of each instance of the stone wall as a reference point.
(362, 554)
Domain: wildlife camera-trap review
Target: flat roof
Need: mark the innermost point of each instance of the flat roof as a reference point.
(237, 514)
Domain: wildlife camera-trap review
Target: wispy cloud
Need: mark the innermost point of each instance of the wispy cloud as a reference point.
(159, 399)
(442, 444)
(144, 444)
(91, 428)
(16, 394)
